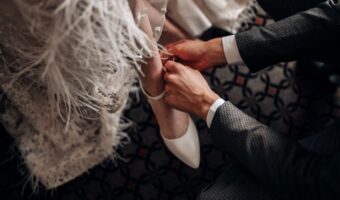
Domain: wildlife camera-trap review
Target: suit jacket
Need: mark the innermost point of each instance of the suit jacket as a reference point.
(277, 161)
(310, 33)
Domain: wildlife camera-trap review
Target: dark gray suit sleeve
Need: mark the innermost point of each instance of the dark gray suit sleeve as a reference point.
(277, 161)
(308, 33)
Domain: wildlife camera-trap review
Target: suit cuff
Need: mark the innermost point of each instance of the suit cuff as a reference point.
(231, 51)
(212, 110)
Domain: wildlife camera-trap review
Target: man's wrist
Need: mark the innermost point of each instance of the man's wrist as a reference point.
(205, 104)
(215, 51)
(212, 111)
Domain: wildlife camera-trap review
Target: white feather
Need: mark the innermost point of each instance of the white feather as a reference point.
(77, 47)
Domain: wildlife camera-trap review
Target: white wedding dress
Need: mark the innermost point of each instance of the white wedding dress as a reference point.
(197, 16)
(67, 68)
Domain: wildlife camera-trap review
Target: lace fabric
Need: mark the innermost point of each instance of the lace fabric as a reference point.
(196, 16)
(150, 13)
(66, 70)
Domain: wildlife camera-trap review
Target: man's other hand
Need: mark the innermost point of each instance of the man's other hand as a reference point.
(197, 54)
(187, 90)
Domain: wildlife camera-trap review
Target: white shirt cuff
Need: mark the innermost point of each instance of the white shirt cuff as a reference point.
(231, 51)
(212, 110)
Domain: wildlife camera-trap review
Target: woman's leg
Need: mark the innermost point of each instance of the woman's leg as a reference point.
(177, 129)
(171, 32)
(173, 123)
(170, 120)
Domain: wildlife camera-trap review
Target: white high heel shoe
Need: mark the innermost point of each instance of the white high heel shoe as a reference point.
(186, 148)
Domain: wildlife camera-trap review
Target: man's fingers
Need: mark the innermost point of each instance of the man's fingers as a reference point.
(170, 99)
(165, 57)
(191, 64)
(200, 66)
(168, 89)
(168, 65)
(169, 46)
(176, 49)
(172, 66)
(168, 77)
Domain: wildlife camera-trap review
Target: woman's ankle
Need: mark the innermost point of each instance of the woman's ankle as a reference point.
(153, 86)
(173, 123)
(153, 82)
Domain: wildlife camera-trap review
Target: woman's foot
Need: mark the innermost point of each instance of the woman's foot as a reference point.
(178, 132)
(177, 129)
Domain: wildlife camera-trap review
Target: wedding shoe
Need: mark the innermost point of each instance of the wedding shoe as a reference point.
(186, 148)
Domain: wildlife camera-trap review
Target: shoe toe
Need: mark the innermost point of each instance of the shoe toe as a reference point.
(186, 148)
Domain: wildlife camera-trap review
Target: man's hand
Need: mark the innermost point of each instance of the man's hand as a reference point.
(187, 90)
(198, 54)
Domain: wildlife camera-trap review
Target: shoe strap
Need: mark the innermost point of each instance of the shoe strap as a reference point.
(155, 98)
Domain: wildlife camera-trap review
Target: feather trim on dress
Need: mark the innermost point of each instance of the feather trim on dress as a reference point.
(67, 67)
